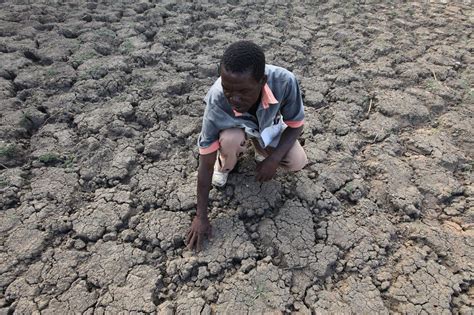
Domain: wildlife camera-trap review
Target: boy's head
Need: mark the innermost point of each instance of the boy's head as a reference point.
(244, 57)
(242, 73)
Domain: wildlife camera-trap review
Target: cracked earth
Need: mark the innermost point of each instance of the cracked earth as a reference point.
(101, 106)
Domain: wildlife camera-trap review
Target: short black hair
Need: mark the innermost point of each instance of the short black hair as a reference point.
(244, 56)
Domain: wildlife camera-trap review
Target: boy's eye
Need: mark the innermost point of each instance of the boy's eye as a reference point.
(243, 91)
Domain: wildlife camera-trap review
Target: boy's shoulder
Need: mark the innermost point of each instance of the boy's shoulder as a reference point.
(278, 73)
(215, 94)
(280, 81)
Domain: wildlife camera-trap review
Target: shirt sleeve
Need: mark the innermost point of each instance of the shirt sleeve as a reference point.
(292, 105)
(208, 140)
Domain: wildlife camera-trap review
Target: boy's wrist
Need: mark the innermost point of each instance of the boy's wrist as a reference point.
(275, 157)
(202, 215)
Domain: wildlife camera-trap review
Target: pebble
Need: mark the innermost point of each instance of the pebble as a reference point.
(79, 244)
(129, 235)
(210, 294)
(385, 285)
(205, 283)
(247, 265)
(175, 279)
(133, 222)
(203, 272)
(451, 211)
(270, 251)
(112, 236)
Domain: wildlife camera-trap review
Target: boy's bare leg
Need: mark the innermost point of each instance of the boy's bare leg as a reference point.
(232, 144)
(293, 161)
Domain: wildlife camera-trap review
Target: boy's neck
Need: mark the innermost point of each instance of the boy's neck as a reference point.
(253, 109)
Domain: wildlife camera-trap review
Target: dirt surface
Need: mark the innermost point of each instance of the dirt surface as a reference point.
(100, 113)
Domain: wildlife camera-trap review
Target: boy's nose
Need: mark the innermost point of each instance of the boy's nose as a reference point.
(235, 99)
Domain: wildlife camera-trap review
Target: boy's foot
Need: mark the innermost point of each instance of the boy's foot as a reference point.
(219, 179)
(259, 157)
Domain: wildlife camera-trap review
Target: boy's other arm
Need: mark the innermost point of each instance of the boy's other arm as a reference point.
(287, 140)
(267, 169)
(201, 227)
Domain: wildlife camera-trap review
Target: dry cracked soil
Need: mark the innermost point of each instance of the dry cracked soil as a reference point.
(101, 105)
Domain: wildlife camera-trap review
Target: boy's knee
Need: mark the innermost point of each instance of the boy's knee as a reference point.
(296, 158)
(233, 137)
(297, 163)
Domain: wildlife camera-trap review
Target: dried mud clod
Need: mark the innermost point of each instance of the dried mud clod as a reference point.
(101, 107)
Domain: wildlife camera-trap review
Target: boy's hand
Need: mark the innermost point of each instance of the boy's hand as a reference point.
(267, 169)
(200, 229)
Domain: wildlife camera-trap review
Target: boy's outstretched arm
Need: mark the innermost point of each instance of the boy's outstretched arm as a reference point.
(201, 227)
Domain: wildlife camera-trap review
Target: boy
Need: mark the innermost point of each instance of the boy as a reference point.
(249, 100)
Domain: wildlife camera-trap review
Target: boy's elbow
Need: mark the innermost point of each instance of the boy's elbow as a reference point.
(206, 161)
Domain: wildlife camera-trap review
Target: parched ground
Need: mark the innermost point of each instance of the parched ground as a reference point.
(100, 111)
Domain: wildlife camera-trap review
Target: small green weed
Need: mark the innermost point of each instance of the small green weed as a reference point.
(51, 72)
(3, 183)
(432, 85)
(81, 58)
(260, 291)
(465, 84)
(95, 72)
(49, 158)
(349, 188)
(9, 151)
(470, 95)
(127, 46)
(55, 159)
(121, 98)
(105, 32)
(392, 14)
(69, 161)
(25, 120)
(148, 84)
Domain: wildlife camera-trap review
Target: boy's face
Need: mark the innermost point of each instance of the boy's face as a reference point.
(241, 89)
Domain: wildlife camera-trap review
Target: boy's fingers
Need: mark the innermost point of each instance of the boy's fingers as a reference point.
(192, 241)
(198, 245)
(188, 236)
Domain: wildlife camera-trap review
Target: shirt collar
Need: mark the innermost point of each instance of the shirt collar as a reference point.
(236, 113)
(267, 99)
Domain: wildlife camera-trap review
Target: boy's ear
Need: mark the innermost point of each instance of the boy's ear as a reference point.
(263, 81)
(218, 69)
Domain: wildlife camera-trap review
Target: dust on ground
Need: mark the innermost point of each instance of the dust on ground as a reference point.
(100, 112)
